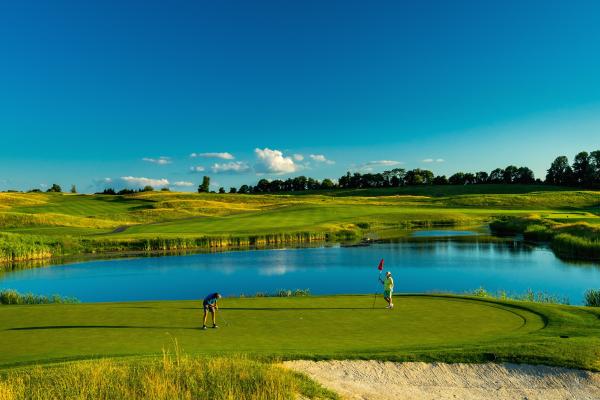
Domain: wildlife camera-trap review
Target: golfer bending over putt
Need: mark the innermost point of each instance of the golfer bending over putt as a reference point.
(210, 305)
(388, 288)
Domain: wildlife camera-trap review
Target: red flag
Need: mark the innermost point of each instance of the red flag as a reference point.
(380, 267)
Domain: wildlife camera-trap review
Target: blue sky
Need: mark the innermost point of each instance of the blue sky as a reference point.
(96, 92)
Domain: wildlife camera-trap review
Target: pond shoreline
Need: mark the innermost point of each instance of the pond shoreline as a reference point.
(406, 236)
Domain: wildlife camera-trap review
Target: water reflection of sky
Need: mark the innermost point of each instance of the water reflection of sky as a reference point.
(417, 267)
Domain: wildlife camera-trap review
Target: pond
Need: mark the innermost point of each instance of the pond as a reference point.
(426, 266)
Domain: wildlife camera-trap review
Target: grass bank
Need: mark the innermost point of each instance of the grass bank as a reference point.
(42, 225)
(577, 240)
(420, 328)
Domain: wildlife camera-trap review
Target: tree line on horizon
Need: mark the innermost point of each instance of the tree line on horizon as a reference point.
(583, 172)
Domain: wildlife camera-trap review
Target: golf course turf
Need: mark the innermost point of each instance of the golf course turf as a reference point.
(421, 327)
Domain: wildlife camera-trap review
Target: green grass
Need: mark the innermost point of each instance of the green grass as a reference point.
(64, 224)
(427, 327)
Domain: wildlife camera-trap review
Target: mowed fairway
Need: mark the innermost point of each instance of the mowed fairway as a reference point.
(420, 327)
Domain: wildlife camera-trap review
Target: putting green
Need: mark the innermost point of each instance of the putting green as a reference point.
(284, 327)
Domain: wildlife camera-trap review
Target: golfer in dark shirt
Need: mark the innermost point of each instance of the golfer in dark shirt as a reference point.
(210, 305)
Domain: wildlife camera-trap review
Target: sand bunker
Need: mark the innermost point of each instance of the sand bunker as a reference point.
(387, 380)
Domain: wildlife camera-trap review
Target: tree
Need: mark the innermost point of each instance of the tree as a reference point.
(165, 189)
(469, 178)
(244, 189)
(222, 190)
(232, 190)
(262, 186)
(419, 177)
(510, 174)
(397, 177)
(496, 176)
(312, 184)
(344, 181)
(481, 177)
(595, 164)
(440, 180)
(457, 179)
(110, 191)
(560, 172)
(525, 176)
(55, 188)
(583, 172)
(205, 185)
(147, 188)
(299, 183)
(73, 189)
(355, 180)
(327, 184)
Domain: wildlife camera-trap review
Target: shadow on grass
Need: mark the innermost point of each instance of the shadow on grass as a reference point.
(35, 328)
(287, 308)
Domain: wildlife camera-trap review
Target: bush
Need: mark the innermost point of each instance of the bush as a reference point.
(592, 298)
(540, 233)
(530, 295)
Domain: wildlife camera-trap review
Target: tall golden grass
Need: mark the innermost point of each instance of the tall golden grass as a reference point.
(172, 377)
(20, 220)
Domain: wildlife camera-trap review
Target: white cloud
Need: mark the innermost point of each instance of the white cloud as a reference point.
(382, 163)
(298, 157)
(232, 167)
(132, 182)
(197, 168)
(183, 183)
(273, 161)
(223, 155)
(321, 158)
(430, 160)
(162, 160)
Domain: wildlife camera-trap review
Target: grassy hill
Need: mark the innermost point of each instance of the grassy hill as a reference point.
(39, 225)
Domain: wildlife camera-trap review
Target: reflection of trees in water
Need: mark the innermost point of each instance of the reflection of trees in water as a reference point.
(20, 265)
(486, 245)
(481, 244)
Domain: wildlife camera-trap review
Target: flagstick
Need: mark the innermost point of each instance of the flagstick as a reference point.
(375, 297)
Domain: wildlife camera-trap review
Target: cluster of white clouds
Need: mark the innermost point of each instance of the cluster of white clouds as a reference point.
(274, 162)
(235, 167)
(321, 159)
(135, 182)
(268, 161)
(162, 160)
(432, 160)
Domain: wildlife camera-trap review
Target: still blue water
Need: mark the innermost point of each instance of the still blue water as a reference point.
(417, 267)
